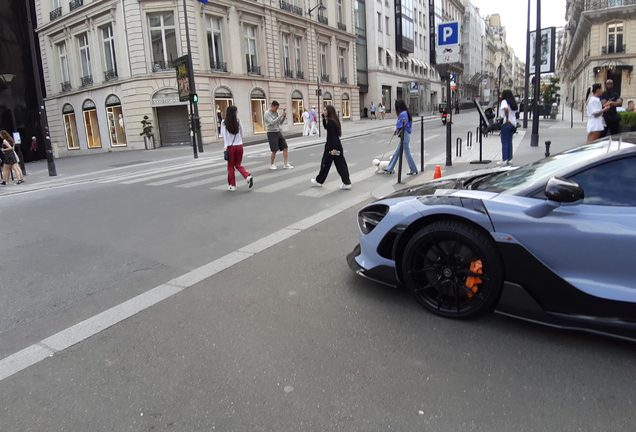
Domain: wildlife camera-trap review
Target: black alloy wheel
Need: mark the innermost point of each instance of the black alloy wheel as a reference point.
(453, 270)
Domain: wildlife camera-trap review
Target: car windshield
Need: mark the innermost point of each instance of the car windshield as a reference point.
(536, 173)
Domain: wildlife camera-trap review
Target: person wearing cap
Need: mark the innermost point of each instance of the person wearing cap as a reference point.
(313, 119)
(34, 149)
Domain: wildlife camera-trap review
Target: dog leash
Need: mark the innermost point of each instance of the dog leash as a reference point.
(387, 147)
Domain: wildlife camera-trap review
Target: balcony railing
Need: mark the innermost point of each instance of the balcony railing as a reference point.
(74, 4)
(159, 65)
(324, 78)
(290, 8)
(300, 75)
(323, 19)
(344, 80)
(342, 26)
(253, 69)
(55, 13)
(86, 80)
(218, 66)
(66, 86)
(604, 4)
(110, 75)
(618, 49)
(289, 73)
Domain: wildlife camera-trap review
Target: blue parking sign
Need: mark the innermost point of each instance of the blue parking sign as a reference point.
(448, 33)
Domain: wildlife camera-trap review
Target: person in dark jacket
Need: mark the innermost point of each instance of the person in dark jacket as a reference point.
(333, 150)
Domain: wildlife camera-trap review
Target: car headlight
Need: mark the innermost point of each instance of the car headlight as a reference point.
(370, 217)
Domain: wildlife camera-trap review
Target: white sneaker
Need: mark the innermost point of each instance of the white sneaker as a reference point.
(287, 166)
(250, 182)
(345, 186)
(231, 188)
(315, 183)
(273, 167)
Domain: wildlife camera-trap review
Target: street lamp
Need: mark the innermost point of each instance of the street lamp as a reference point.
(7, 78)
(319, 6)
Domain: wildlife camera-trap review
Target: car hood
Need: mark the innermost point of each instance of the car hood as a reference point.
(454, 181)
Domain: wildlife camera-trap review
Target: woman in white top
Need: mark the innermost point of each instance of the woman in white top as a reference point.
(508, 111)
(595, 110)
(305, 122)
(232, 133)
(381, 110)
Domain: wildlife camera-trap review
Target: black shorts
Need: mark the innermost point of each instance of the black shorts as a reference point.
(276, 141)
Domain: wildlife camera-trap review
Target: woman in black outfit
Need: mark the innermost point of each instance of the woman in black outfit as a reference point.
(333, 150)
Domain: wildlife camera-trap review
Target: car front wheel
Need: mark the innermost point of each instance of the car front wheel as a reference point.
(453, 270)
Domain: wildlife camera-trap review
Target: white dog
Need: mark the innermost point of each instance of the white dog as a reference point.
(380, 166)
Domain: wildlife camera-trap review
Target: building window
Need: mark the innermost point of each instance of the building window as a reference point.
(116, 126)
(327, 99)
(85, 60)
(287, 57)
(339, 13)
(215, 47)
(615, 38)
(163, 39)
(379, 22)
(91, 123)
(70, 126)
(110, 63)
(345, 106)
(297, 107)
(258, 110)
(342, 65)
(387, 25)
(64, 65)
(299, 60)
(323, 63)
(250, 50)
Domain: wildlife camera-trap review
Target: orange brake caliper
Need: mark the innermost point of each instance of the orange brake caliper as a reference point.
(473, 281)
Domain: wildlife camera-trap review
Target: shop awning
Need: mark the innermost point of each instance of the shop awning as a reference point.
(390, 53)
(613, 65)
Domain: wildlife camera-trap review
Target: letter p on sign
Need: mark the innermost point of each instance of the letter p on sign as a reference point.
(448, 32)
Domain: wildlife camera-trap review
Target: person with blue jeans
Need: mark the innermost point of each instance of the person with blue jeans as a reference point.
(509, 114)
(404, 119)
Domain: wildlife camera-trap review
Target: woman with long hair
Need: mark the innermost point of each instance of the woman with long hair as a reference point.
(595, 111)
(334, 152)
(232, 133)
(405, 121)
(508, 110)
(10, 161)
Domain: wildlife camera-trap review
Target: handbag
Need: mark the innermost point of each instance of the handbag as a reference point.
(226, 153)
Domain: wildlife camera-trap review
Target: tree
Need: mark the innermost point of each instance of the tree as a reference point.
(550, 94)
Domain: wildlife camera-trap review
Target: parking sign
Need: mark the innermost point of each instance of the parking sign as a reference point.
(448, 42)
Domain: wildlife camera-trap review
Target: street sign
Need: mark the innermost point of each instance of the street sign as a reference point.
(183, 78)
(415, 87)
(448, 43)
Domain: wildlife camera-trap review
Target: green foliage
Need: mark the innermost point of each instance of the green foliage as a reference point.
(551, 93)
(628, 118)
(146, 127)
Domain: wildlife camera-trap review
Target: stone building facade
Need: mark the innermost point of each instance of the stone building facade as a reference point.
(108, 63)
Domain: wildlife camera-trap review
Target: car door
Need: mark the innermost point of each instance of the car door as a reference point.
(592, 245)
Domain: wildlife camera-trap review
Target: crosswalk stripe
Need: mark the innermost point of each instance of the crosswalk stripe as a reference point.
(195, 175)
(275, 187)
(287, 182)
(163, 170)
(334, 185)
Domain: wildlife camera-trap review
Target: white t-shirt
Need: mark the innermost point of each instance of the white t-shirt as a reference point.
(512, 115)
(305, 117)
(594, 124)
(231, 139)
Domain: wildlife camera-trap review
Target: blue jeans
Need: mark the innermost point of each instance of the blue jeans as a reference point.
(407, 153)
(507, 131)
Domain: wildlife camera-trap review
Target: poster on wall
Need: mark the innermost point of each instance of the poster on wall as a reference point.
(183, 78)
(548, 38)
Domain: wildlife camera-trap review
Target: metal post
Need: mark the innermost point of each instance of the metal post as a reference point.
(403, 131)
(318, 114)
(469, 140)
(449, 144)
(534, 139)
(527, 77)
(192, 132)
(422, 145)
(195, 105)
(458, 147)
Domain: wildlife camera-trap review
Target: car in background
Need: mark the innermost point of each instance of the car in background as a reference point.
(552, 242)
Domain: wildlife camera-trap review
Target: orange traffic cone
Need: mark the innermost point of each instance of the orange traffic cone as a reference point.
(438, 172)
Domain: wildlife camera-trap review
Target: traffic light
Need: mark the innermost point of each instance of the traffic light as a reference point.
(196, 124)
(194, 98)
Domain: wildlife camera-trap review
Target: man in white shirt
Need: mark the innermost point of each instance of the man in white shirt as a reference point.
(305, 123)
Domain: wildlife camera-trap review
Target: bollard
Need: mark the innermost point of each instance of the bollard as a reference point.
(458, 147)
(547, 148)
(477, 131)
(469, 140)
(51, 163)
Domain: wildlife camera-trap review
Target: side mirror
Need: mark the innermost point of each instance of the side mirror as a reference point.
(563, 191)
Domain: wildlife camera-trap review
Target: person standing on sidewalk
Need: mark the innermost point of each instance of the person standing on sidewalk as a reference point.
(313, 119)
(334, 152)
(232, 133)
(612, 118)
(10, 159)
(404, 120)
(277, 141)
(508, 111)
(34, 149)
(373, 111)
(595, 111)
(305, 122)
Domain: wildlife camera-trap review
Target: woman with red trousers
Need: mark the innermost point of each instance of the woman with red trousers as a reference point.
(232, 133)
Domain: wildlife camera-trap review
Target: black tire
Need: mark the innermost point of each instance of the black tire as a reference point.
(436, 265)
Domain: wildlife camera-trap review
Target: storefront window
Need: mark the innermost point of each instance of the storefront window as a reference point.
(91, 123)
(326, 99)
(222, 100)
(345, 106)
(70, 126)
(297, 107)
(258, 110)
(116, 126)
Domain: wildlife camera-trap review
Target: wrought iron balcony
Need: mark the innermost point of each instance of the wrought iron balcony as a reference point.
(74, 4)
(66, 86)
(344, 80)
(324, 78)
(110, 75)
(55, 13)
(300, 75)
(218, 66)
(290, 8)
(618, 49)
(604, 4)
(323, 19)
(159, 66)
(289, 73)
(253, 69)
(86, 80)
(342, 26)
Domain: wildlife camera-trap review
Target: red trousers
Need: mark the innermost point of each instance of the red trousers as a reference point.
(235, 160)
